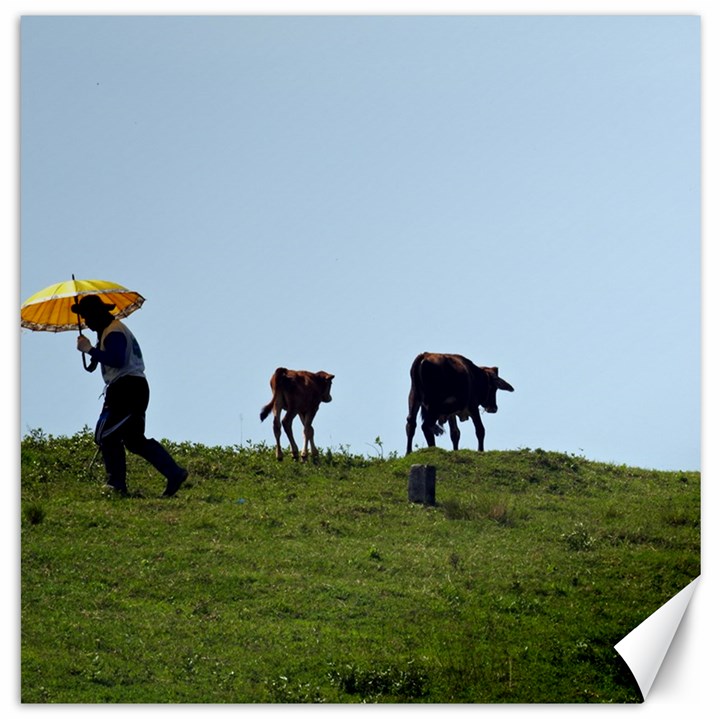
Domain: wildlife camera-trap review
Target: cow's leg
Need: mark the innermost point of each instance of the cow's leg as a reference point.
(287, 426)
(428, 426)
(277, 430)
(308, 437)
(454, 431)
(479, 428)
(411, 424)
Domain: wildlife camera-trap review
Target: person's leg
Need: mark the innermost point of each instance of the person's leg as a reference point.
(112, 448)
(138, 395)
(113, 455)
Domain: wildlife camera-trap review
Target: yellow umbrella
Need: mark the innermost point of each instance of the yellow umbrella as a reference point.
(49, 309)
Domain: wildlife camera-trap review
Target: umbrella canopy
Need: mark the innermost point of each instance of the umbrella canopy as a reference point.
(49, 309)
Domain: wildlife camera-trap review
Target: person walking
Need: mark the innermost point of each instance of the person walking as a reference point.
(121, 424)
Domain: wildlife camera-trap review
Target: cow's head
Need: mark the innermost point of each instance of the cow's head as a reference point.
(494, 383)
(325, 381)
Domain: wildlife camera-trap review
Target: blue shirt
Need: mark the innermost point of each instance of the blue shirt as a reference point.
(118, 353)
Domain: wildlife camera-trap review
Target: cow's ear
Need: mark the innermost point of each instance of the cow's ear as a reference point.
(504, 385)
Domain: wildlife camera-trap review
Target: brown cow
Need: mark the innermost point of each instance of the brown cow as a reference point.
(448, 387)
(298, 392)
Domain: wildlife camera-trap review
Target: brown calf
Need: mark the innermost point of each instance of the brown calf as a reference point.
(298, 392)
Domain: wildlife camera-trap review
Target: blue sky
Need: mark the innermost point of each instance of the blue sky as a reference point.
(342, 193)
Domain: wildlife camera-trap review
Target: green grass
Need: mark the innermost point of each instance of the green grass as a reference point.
(282, 582)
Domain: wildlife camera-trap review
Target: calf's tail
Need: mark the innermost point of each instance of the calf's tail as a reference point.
(266, 411)
(276, 382)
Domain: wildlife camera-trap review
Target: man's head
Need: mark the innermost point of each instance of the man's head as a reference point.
(94, 311)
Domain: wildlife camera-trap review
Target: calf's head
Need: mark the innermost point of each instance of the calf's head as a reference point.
(324, 382)
(494, 383)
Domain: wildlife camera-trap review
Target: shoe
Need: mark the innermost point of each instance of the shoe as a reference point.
(174, 485)
(121, 491)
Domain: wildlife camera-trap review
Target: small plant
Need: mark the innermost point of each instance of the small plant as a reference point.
(678, 517)
(374, 553)
(455, 510)
(34, 514)
(501, 515)
(286, 690)
(377, 447)
(403, 683)
(579, 539)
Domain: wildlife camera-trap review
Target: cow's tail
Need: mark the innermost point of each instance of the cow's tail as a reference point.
(275, 381)
(438, 429)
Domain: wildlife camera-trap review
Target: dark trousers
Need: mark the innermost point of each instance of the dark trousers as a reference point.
(122, 426)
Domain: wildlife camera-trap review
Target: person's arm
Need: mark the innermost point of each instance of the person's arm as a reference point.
(85, 346)
(114, 353)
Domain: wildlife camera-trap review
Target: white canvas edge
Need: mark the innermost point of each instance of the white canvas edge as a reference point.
(645, 647)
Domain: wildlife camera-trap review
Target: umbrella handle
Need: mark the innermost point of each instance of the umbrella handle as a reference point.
(84, 361)
(92, 364)
(85, 365)
(89, 366)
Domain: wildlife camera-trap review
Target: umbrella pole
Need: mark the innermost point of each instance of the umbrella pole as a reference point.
(85, 365)
(77, 300)
(92, 463)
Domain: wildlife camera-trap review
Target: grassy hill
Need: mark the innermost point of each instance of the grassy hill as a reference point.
(282, 582)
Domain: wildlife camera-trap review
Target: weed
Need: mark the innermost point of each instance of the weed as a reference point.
(579, 538)
(34, 513)
(374, 554)
(453, 509)
(501, 515)
(398, 683)
(283, 690)
(677, 517)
